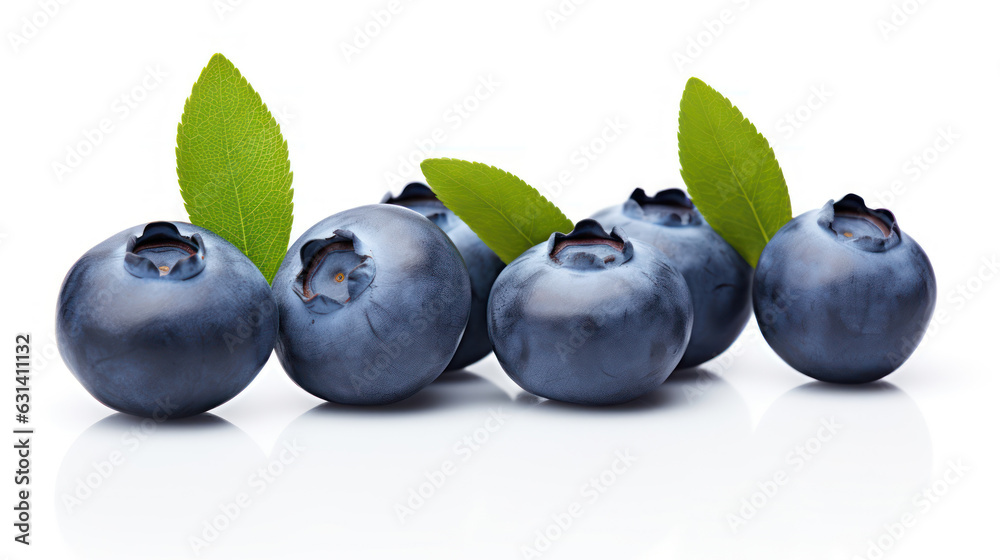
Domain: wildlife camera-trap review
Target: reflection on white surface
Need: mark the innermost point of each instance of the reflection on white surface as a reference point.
(685, 438)
(127, 483)
(877, 454)
(467, 466)
(827, 467)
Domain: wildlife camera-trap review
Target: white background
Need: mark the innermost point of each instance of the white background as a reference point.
(702, 444)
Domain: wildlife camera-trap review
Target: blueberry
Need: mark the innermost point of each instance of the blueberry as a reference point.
(165, 320)
(373, 302)
(842, 294)
(590, 317)
(718, 277)
(483, 264)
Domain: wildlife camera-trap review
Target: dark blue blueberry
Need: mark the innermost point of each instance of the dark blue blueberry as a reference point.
(483, 264)
(842, 294)
(373, 302)
(590, 317)
(718, 277)
(165, 320)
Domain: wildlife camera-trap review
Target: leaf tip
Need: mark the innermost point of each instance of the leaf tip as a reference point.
(219, 58)
(694, 82)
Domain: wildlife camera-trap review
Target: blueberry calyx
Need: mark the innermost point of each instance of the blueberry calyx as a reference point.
(161, 252)
(335, 271)
(418, 195)
(851, 222)
(411, 192)
(670, 207)
(590, 246)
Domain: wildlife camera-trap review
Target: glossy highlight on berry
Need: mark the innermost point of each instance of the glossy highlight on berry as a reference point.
(373, 302)
(842, 294)
(165, 320)
(590, 317)
(718, 277)
(483, 264)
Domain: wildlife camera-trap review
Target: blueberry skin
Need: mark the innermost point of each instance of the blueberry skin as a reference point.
(590, 317)
(483, 264)
(159, 344)
(842, 294)
(373, 302)
(719, 278)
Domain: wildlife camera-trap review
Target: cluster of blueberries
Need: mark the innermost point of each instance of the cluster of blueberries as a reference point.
(374, 303)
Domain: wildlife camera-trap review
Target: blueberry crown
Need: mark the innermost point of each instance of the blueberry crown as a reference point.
(589, 245)
(420, 197)
(159, 236)
(411, 193)
(669, 207)
(357, 270)
(850, 221)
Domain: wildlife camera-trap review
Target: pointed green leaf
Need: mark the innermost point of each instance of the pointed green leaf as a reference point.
(232, 165)
(730, 171)
(507, 214)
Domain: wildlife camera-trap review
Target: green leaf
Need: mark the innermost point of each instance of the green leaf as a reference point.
(507, 214)
(730, 171)
(232, 165)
